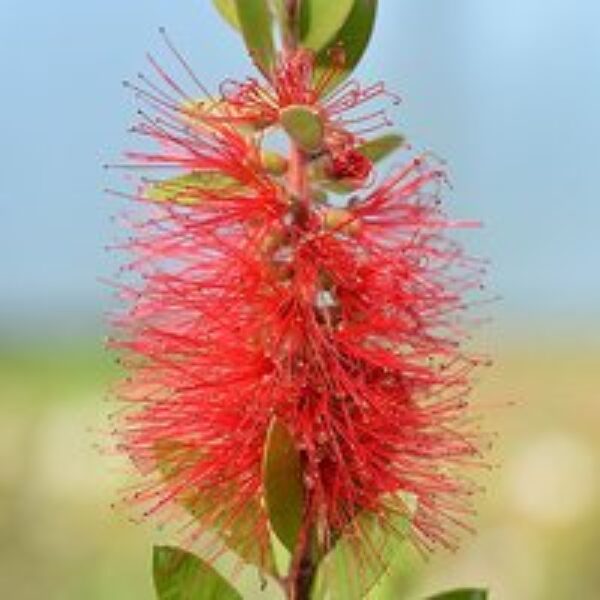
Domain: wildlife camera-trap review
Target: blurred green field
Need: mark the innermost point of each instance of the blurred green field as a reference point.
(538, 533)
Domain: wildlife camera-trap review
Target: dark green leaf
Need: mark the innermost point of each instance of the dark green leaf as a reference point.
(179, 575)
(187, 189)
(284, 490)
(381, 147)
(353, 39)
(321, 20)
(256, 23)
(304, 126)
(228, 11)
(462, 594)
(238, 534)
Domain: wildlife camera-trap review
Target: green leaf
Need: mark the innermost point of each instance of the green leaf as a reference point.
(228, 11)
(363, 553)
(179, 575)
(462, 594)
(256, 23)
(304, 125)
(381, 147)
(175, 459)
(187, 189)
(340, 187)
(282, 480)
(321, 20)
(353, 38)
(274, 163)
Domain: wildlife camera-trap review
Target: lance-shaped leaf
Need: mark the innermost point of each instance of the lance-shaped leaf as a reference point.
(228, 11)
(256, 23)
(238, 533)
(283, 487)
(304, 125)
(340, 186)
(321, 20)
(179, 575)
(381, 147)
(363, 552)
(462, 594)
(353, 39)
(188, 189)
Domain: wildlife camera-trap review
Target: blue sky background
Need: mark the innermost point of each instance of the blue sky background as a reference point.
(507, 91)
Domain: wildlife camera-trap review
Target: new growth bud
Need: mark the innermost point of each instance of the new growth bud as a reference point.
(304, 125)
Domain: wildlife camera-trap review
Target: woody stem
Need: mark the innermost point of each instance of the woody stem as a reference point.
(302, 574)
(298, 175)
(303, 567)
(291, 25)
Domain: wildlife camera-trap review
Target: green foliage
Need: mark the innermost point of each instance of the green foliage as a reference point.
(304, 126)
(237, 533)
(360, 557)
(179, 575)
(256, 22)
(184, 189)
(274, 163)
(284, 490)
(321, 20)
(382, 147)
(462, 594)
(353, 38)
(228, 11)
(326, 27)
(340, 186)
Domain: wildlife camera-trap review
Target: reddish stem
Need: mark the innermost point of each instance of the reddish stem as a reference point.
(300, 579)
(291, 31)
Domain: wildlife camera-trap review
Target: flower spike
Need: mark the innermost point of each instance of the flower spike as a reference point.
(296, 363)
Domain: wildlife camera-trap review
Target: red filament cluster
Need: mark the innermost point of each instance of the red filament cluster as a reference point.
(248, 303)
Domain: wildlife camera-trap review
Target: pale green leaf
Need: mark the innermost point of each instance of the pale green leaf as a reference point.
(381, 147)
(362, 554)
(340, 186)
(256, 22)
(274, 163)
(179, 575)
(228, 11)
(239, 533)
(188, 189)
(321, 20)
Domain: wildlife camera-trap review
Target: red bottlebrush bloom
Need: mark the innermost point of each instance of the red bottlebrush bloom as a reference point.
(252, 303)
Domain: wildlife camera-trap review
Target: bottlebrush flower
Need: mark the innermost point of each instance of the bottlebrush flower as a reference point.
(252, 303)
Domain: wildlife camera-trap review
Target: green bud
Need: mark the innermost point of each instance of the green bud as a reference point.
(274, 163)
(304, 125)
